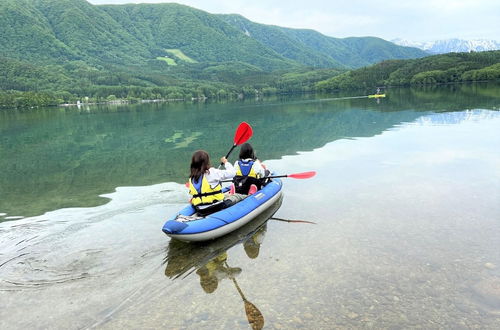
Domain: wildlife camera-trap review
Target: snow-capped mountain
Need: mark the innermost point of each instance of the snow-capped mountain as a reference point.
(451, 45)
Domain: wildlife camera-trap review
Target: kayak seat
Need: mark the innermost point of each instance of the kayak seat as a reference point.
(206, 209)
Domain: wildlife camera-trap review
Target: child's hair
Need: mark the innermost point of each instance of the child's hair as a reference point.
(246, 151)
(200, 163)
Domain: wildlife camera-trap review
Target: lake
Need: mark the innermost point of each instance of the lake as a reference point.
(405, 205)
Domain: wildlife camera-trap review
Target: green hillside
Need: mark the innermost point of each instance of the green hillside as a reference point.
(55, 31)
(275, 38)
(354, 52)
(314, 49)
(91, 32)
(438, 69)
(373, 50)
(26, 34)
(180, 55)
(200, 35)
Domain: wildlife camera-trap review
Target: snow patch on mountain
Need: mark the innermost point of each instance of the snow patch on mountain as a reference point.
(451, 45)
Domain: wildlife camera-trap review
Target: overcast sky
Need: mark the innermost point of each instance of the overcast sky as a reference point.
(418, 20)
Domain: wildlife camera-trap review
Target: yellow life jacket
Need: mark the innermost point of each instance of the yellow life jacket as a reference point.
(246, 176)
(245, 168)
(203, 193)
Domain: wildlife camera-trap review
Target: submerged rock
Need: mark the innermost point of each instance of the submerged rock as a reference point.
(488, 292)
(490, 265)
(353, 315)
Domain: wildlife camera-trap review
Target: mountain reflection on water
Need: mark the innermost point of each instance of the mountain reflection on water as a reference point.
(183, 258)
(68, 157)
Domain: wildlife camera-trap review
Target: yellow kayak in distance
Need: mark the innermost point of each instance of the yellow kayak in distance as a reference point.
(376, 96)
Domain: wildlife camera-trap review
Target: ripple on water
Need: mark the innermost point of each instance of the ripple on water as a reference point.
(32, 271)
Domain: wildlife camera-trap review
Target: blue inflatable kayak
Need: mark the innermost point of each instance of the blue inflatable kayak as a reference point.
(220, 223)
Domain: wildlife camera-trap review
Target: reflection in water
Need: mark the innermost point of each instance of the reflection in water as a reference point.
(185, 257)
(209, 260)
(56, 158)
(293, 221)
(214, 271)
(252, 245)
(217, 269)
(254, 315)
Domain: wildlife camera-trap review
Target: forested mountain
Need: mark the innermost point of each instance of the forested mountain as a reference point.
(282, 43)
(317, 50)
(56, 51)
(26, 34)
(437, 69)
(54, 31)
(201, 36)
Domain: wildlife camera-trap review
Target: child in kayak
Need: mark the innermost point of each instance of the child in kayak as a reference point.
(205, 184)
(249, 171)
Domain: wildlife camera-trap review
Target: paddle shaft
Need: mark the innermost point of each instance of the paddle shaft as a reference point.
(272, 177)
(266, 177)
(230, 150)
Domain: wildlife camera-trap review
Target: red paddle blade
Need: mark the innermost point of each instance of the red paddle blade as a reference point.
(303, 175)
(243, 133)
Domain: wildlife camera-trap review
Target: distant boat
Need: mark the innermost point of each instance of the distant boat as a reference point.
(376, 96)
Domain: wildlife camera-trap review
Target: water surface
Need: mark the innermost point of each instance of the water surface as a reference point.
(406, 206)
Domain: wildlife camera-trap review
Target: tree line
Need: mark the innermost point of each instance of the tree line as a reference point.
(25, 85)
(28, 85)
(438, 69)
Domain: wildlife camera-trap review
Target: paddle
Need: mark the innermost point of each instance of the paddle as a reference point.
(254, 316)
(243, 134)
(303, 175)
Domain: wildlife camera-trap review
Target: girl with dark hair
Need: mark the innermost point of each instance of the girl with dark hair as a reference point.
(249, 171)
(205, 184)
